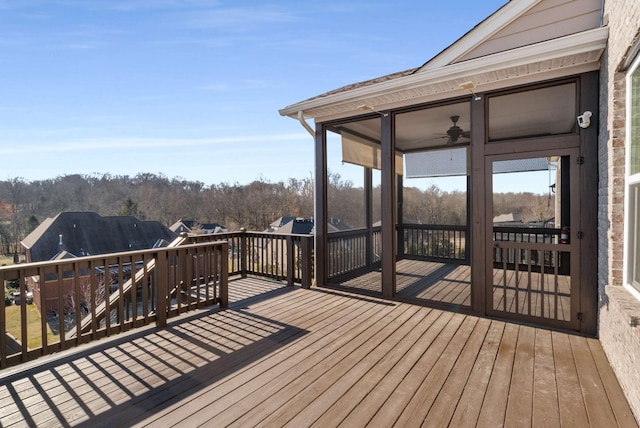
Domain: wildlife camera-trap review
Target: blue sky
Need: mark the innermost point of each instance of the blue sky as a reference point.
(192, 88)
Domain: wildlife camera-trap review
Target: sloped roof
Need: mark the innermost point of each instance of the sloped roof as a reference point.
(282, 221)
(88, 233)
(188, 225)
(524, 41)
(297, 226)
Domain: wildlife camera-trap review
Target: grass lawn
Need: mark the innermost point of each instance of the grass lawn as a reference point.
(33, 326)
(6, 260)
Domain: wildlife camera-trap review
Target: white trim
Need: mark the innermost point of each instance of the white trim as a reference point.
(635, 65)
(587, 41)
(487, 28)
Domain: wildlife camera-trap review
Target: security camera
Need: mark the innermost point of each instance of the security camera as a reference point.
(585, 120)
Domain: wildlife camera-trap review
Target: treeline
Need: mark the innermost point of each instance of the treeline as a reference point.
(24, 204)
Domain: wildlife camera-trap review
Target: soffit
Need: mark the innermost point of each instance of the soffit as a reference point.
(564, 56)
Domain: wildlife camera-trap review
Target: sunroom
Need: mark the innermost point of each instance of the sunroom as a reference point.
(507, 113)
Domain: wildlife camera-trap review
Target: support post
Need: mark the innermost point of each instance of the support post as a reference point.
(243, 252)
(291, 248)
(307, 246)
(162, 273)
(388, 207)
(478, 226)
(223, 275)
(321, 237)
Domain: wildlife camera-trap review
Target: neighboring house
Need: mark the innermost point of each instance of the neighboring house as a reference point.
(88, 233)
(548, 80)
(191, 226)
(290, 224)
(76, 234)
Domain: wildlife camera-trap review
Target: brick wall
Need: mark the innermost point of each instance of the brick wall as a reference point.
(619, 311)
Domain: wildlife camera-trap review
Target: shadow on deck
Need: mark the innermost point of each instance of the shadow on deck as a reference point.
(284, 355)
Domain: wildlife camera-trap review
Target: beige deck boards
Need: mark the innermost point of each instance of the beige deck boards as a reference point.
(284, 356)
(527, 293)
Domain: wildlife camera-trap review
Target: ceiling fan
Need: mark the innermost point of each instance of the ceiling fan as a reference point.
(455, 132)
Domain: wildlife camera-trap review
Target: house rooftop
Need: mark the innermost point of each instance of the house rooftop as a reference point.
(88, 233)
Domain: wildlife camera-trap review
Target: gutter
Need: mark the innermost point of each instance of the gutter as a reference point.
(311, 132)
(305, 124)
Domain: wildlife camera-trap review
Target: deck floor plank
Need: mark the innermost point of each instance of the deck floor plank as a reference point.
(438, 395)
(588, 375)
(469, 405)
(616, 398)
(494, 405)
(319, 396)
(241, 378)
(572, 407)
(416, 410)
(301, 354)
(545, 411)
(397, 402)
(446, 401)
(518, 404)
(364, 393)
(375, 399)
(307, 383)
(283, 355)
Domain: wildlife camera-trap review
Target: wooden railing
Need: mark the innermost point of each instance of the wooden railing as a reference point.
(353, 250)
(86, 298)
(511, 257)
(444, 243)
(283, 257)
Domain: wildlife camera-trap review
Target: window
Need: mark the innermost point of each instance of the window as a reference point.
(632, 243)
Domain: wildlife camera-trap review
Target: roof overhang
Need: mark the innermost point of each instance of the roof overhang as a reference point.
(564, 56)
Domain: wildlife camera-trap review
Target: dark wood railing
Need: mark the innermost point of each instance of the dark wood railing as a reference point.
(435, 242)
(283, 257)
(87, 298)
(521, 257)
(353, 250)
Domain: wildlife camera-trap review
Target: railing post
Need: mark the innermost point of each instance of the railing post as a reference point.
(243, 252)
(3, 329)
(161, 308)
(290, 259)
(224, 275)
(307, 266)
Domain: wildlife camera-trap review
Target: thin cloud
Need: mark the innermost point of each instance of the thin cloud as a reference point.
(91, 144)
(239, 18)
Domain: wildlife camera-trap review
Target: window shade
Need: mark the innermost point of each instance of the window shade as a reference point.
(359, 151)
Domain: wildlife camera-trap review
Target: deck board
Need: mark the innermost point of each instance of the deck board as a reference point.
(515, 292)
(545, 411)
(286, 356)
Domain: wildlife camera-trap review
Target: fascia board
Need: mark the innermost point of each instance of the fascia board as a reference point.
(494, 23)
(586, 41)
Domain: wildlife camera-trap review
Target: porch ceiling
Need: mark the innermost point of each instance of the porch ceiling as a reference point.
(564, 56)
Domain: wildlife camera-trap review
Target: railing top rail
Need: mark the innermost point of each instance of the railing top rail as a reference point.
(433, 226)
(353, 232)
(84, 259)
(224, 235)
(532, 230)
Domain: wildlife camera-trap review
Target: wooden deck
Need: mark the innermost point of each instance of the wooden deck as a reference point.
(288, 356)
(421, 280)
(451, 283)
